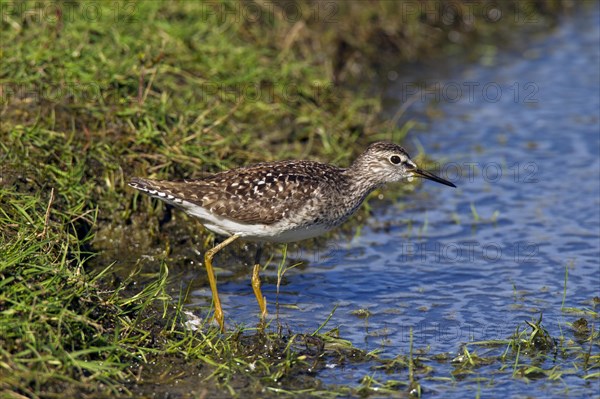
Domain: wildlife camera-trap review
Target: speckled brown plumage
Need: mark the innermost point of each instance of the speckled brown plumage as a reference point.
(285, 200)
(263, 193)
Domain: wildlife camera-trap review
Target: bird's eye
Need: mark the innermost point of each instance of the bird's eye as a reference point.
(395, 159)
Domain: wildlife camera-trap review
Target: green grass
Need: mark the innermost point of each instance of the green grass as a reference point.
(53, 319)
(169, 89)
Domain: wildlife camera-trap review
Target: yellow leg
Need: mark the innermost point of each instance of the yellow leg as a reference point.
(262, 302)
(208, 257)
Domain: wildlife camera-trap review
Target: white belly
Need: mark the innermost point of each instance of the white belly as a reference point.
(277, 232)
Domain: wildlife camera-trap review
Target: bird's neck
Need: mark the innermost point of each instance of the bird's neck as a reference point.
(360, 182)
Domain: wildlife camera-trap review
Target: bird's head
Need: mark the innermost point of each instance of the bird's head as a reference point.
(388, 162)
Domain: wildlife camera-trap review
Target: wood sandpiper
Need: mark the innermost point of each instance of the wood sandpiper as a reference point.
(281, 201)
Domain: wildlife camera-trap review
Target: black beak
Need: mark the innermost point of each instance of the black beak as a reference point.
(430, 176)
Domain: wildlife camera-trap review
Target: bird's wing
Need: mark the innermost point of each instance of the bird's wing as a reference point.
(263, 193)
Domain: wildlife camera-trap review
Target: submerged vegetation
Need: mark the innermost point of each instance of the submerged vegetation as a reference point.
(95, 92)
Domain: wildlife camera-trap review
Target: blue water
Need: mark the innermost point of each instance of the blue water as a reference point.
(524, 150)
